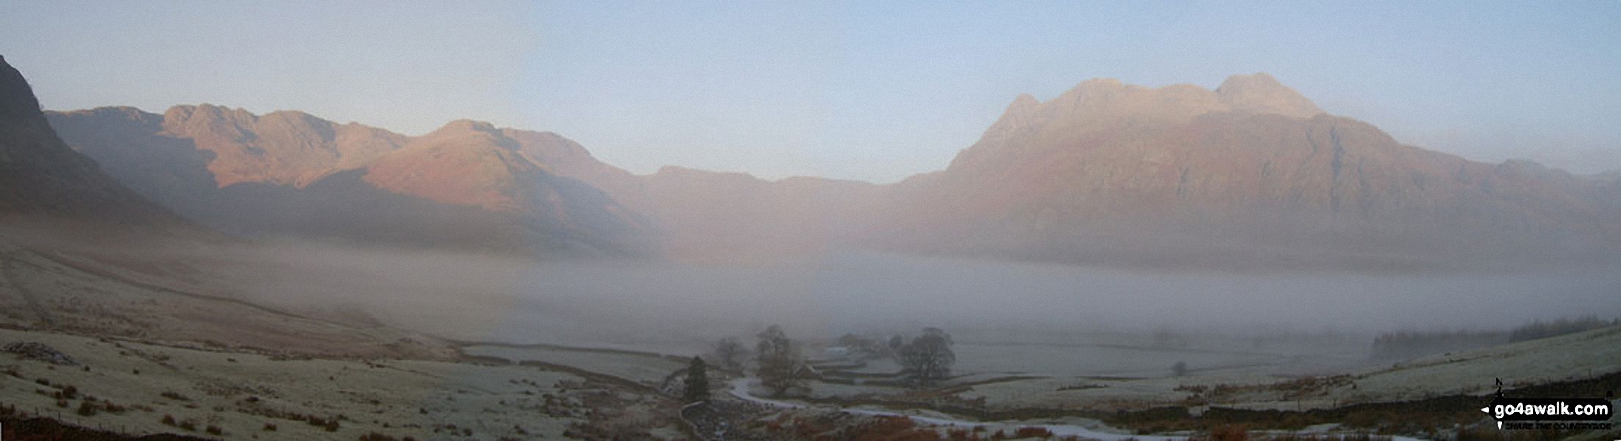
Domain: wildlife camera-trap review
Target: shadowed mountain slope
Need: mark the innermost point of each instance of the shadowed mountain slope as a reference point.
(42, 179)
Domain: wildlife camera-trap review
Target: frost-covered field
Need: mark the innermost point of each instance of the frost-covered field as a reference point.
(1201, 356)
(245, 395)
(1116, 355)
(1571, 357)
(642, 368)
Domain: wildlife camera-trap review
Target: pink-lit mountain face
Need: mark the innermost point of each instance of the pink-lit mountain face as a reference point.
(466, 185)
(1115, 168)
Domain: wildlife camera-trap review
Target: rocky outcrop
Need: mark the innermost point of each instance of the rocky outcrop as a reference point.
(39, 351)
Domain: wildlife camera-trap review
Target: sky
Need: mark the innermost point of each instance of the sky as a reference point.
(874, 91)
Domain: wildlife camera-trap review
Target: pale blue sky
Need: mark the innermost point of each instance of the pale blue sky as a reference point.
(865, 90)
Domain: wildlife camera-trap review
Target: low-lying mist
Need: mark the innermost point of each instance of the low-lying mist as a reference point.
(1005, 316)
(479, 297)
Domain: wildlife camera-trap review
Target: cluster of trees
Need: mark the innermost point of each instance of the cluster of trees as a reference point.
(925, 359)
(777, 361)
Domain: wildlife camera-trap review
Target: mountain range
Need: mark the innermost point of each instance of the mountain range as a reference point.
(290, 174)
(1105, 173)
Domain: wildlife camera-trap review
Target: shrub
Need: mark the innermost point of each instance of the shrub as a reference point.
(168, 420)
(1230, 432)
(1032, 432)
(270, 427)
(174, 396)
(189, 425)
(330, 424)
(214, 430)
(86, 408)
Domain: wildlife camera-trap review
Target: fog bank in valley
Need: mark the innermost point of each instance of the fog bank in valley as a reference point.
(638, 302)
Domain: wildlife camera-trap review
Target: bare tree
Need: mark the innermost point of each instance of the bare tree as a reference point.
(928, 358)
(729, 352)
(777, 360)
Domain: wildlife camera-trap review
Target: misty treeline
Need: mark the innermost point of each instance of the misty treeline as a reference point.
(1410, 344)
(1539, 329)
(925, 358)
(782, 367)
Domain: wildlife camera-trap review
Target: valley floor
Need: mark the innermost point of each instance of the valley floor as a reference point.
(127, 346)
